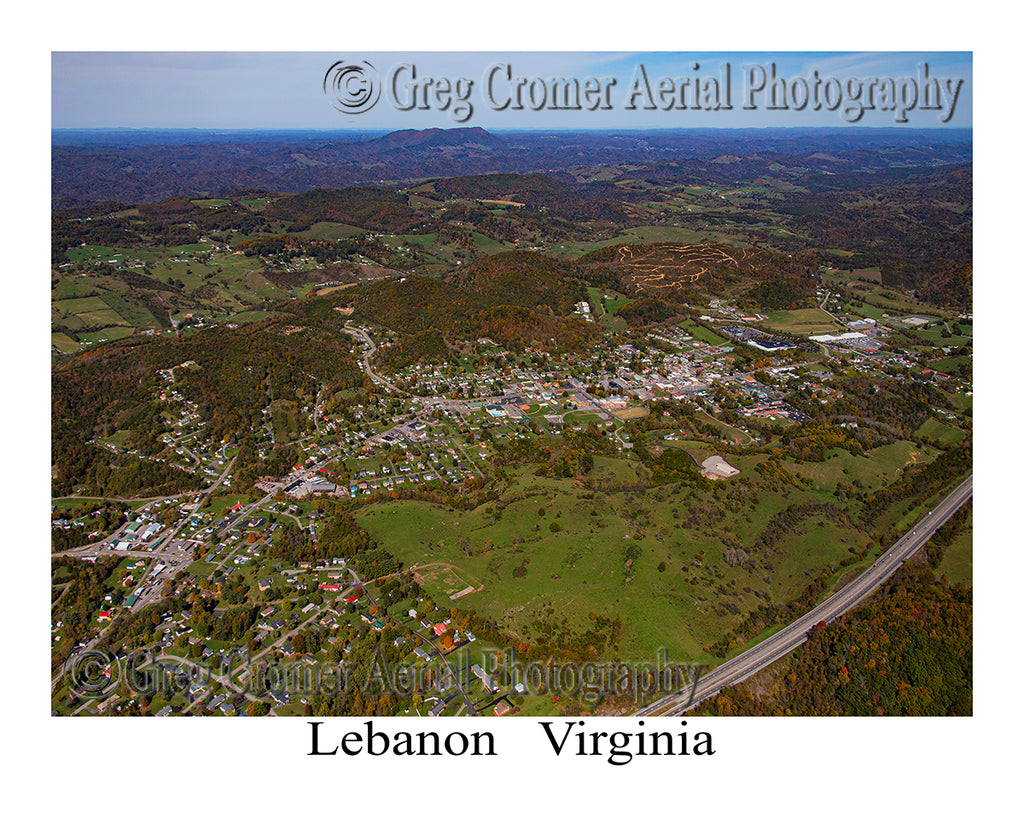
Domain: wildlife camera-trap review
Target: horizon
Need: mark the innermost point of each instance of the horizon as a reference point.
(900, 128)
(126, 136)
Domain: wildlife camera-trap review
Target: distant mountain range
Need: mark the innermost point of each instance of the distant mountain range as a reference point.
(149, 166)
(433, 138)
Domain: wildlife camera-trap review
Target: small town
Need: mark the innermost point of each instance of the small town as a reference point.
(433, 426)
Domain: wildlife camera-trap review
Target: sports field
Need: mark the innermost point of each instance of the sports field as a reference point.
(801, 322)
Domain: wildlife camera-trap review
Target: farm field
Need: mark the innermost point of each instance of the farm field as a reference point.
(145, 289)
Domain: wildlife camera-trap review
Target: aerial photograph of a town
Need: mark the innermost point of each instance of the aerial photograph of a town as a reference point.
(533, 385)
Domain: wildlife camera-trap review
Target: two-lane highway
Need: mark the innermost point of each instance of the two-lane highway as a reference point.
(782, 642)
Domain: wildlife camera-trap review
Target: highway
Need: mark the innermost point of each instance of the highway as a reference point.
(782, 642)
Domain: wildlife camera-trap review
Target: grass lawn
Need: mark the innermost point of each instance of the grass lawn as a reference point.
(219, 504)
(201, 567)
(957, 563)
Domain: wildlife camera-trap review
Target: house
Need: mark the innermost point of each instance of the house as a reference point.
(502, 708)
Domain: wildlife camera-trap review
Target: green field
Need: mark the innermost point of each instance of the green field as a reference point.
(809, 320)
(418, 240)
(731, 433)
(332, 231)
(702, 333)
(106, 334)
(557, 553)
(572, 250)
(667, 233)
(487, 244)
(64, 343)
(877, 469)
(957, 564)
(285, 419)
(944, 433)
(218, 505)
(890, 302)
(950, 363)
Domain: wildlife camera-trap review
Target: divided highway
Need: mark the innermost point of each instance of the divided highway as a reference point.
(782, 642)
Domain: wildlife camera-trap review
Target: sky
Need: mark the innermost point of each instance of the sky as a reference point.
(286, 90)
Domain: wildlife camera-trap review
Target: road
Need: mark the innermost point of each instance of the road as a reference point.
(371, 349)
(782, 642)
(173, 563)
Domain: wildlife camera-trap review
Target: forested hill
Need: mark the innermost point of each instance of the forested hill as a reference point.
(517, 298)
(232, 376)
(908, 653)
